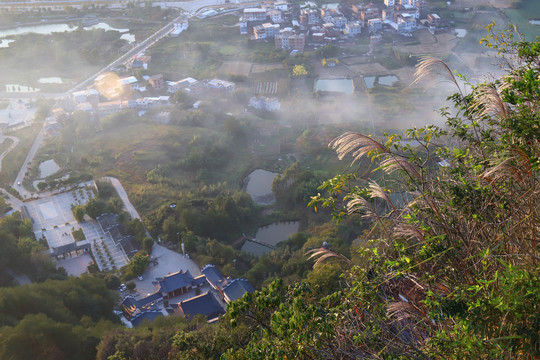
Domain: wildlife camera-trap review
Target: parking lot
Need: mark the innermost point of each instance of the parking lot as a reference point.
(168, 262)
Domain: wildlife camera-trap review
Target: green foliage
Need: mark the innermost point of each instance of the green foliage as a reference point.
(130, 285)
(138, 264)
(455, 269)
(328, 51)
(79, 211)
(54, 319)
(148, 243)
(95, 207)
(295, 186)
(78, 235)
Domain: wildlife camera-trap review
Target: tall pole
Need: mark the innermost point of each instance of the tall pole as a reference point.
(183, 248)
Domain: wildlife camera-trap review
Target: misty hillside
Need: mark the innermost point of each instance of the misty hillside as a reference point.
(270, 180)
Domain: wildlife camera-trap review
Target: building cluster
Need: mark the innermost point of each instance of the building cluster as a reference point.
(110, 93)
(109, 224)
(293, 28)
(187, 296)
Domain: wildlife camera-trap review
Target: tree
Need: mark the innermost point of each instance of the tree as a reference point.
(148, 243)
(130, 285)
(95, 207)
(438, 278)
(139, 263)
(328, 51)
(299, 70)
(79, 212)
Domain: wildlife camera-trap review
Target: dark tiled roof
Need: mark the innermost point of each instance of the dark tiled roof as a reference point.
(64, 249)
(146, 315)
(117, 232)
(107, 221)
(205, 304)
(237, 288)
(129, 244)
(150, 298)
(175, 281)
(199, 280)
(213, 275)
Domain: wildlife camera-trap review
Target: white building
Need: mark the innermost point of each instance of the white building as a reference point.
(129, 82)
(178, 28)
(353, 28)
(84, 96)
(339, 21)
(406, 22)
(389, 3)
(243, 26)
(218, 84)
(281, 5)
(375, 25)
(409, 2)
(254, 14)
(264, 103)
(173, 87)
(275, 16)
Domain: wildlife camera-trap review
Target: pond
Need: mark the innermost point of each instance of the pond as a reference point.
(47, 168)
(272, 235)
(259, 186)
(47, 29)
(460, 33)
(130, 38)
(50, 80)
(386, 80)
(4, 43)
(344, 86)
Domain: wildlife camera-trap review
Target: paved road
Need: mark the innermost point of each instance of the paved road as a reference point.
(35, 146)
(140, 47)
(123, 195)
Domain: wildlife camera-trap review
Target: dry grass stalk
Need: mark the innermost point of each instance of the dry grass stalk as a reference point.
(409, 232)
(358, 203)
(488, 102)
(357, 144)
(433, 71)
(401, 310)
(323, 253)
(397, 162)
(376, 191)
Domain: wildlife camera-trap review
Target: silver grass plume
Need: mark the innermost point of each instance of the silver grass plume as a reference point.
(434, 71)
(323, 253)
(396, 162)
(357, 144)
(488, 102)
(376, 191)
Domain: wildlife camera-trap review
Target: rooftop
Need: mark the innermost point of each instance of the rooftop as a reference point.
(205, 304)
(175, 281)
(237, 288)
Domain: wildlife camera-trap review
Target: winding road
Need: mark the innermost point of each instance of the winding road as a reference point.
(191, 8)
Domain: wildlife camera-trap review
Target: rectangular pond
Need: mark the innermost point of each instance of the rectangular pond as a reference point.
(344, 85)
(269, 236)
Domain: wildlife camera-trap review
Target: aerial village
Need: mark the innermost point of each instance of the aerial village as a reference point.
(183, 288)
(291, 29)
